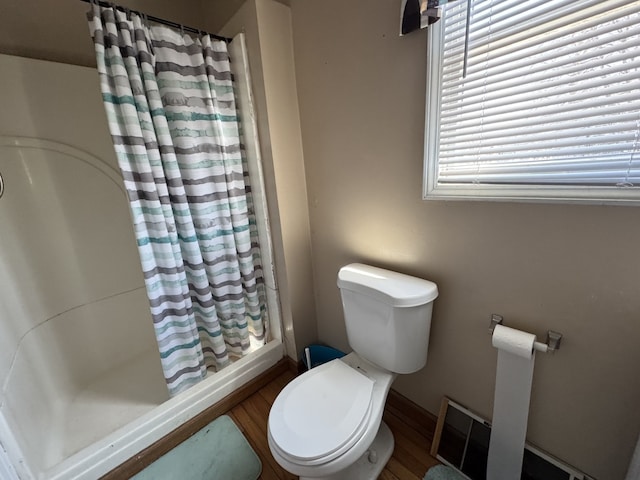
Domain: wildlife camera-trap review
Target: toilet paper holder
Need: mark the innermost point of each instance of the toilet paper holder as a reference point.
(554, 339)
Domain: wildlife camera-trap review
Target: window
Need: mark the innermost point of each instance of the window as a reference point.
(534, 100)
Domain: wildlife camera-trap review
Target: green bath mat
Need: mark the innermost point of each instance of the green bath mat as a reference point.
(442, 472)
(217, 452)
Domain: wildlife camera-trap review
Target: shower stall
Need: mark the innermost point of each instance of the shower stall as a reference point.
(81, 386)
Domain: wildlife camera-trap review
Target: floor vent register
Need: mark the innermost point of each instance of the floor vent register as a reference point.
(461, 441)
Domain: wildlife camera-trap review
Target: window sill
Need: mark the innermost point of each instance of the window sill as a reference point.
(534, 194)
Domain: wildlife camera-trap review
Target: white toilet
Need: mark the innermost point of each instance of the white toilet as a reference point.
(327, 423)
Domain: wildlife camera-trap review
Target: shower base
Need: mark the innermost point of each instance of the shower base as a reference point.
(128, 409)
(107, 404)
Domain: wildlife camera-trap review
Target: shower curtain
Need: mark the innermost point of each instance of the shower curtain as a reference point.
(172, 115)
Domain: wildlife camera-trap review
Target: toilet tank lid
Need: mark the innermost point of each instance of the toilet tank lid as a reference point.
(393, 288)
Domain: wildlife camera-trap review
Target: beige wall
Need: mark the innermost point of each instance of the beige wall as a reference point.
(569, 268)
(218, 12)
(57, 30)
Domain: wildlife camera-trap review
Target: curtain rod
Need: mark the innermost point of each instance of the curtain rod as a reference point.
(157, 20)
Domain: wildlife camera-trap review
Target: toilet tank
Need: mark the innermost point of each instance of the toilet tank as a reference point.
(387, 315)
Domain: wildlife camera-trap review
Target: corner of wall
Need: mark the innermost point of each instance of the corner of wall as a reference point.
(276, 39)
(267, 27)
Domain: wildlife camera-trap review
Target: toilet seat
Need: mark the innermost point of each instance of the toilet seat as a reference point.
(321, 414)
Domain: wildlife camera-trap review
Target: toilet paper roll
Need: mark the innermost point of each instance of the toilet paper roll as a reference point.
(513, 341)
(514, 375)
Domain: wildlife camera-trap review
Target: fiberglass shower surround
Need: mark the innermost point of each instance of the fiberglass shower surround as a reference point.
(83, 389)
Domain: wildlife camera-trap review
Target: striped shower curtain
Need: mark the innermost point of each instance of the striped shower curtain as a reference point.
(171, 111)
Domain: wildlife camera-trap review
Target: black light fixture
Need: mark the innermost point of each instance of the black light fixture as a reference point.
(417, 14)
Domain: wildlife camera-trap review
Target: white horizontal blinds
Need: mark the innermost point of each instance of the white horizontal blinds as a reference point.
(551, 95)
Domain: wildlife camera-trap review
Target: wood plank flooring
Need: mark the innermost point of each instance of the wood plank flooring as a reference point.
(410, 458)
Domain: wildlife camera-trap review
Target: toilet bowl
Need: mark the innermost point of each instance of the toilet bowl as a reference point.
(327, 423)
(327, 419)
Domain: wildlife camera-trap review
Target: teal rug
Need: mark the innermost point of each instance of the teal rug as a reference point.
(442, 472)
(217, 452)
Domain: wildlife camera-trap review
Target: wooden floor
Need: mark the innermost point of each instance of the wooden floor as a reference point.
(410, 458)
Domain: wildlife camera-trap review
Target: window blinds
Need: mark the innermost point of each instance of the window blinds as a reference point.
(550, 94)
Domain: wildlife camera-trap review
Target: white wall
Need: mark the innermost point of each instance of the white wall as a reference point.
(72, 298)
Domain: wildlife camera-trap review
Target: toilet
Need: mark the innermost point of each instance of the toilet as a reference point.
(327, 423)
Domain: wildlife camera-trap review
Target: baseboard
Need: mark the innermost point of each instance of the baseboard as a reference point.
(412, 414)
(295, 367)
(150, 454)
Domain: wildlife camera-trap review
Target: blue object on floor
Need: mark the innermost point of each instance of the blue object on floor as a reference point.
(442, 472)
(217, 452)
(321, 354)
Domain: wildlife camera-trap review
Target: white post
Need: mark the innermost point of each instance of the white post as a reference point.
(634, 466)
